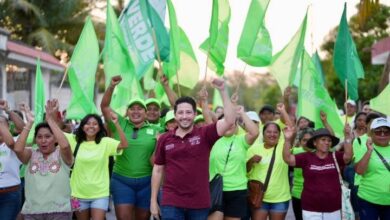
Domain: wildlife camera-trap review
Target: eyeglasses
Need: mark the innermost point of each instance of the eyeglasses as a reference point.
(135, 133)
(382, 132)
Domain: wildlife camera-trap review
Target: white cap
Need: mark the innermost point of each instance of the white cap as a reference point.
(253, 116)
(350, 101)
(380, 122)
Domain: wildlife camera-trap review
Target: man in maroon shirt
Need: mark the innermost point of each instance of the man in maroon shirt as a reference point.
(182, 158)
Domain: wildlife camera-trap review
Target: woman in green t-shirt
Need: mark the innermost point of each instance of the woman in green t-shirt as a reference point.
(131, 178)
(228, 158)
(374, 166)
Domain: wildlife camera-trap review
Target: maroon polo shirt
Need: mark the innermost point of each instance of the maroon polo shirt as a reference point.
(186, 161)
(321, 186)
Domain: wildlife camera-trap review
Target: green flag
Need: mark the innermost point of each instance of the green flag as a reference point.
(284, 64)
(313, 98)
(381, 103)
(39, 95)
(161, 95)
(136, 22)
(346, 59)
(39, 100)
(216, 44)
(81, 73)
(188, 70)
(255, 46)
(118, 62)
(317, 62)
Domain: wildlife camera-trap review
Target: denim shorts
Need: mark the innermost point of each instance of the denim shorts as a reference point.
(133, 191)
(10, 204)
(275, 207)
(99, 203)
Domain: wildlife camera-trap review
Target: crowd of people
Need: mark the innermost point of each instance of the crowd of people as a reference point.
(158, 163)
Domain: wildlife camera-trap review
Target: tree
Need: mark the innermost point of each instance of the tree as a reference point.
(50, 24)
(374, 29)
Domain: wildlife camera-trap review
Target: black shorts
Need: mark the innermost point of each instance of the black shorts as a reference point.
(234, 203)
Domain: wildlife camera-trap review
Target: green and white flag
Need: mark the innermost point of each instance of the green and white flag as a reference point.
(216, 44)
(313, 98)
(255, 46)
(118, 62)
(81, 73)
(381, 103)
(284, 64)
(136, 22)
(346, 59)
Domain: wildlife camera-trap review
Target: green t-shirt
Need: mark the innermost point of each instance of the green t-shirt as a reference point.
(134, 162)
(297, 187)
(90, 176)
(278, 188)
(234, 176)
(375, 183)
(359, 149)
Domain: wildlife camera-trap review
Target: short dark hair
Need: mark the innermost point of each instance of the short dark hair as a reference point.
(80, 134)
(371, 116)
(271, 123)
(39, 126)
(304, 131)
(185, 99)
(367, 102)
(267, 108)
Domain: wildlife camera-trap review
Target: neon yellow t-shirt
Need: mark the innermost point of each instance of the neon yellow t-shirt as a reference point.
(375, 183)
(90, 177)
(278, 188)
(359, 149)
(234, 176)
(297, 188)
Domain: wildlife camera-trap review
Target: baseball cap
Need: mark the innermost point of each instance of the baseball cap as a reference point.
(379, 122)
(253, 116)
(152, 101)
(350, 101)
(169, 116)
(137, 101)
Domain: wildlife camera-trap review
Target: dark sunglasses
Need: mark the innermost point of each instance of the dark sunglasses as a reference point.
(382, 132)
(135, 133)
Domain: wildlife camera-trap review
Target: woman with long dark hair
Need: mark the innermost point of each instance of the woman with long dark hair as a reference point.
(90, 175)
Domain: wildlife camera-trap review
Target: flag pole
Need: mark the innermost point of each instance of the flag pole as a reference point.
(207, 64)
(346, 99)
(159, 60)
(63, 79)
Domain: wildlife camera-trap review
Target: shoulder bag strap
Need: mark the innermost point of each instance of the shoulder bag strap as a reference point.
(227, 157)
(337, 167)
(269, 171)
(383, 160)
(75, 154)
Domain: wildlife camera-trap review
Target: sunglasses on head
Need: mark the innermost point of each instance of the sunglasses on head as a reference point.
(135, 133)
(382, 132)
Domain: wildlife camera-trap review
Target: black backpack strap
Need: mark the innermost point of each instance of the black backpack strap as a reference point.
(75, 154)
(269, 171)
(383, 160)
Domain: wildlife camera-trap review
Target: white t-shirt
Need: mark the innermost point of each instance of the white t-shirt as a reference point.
(9, 167)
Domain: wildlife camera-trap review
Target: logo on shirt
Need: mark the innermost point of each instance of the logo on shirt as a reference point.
(194, 140)
(324, 167)
(169, 147)
(149, 131)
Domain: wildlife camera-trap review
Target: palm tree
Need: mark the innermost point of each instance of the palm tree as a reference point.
(366, 9)
(49, 24)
